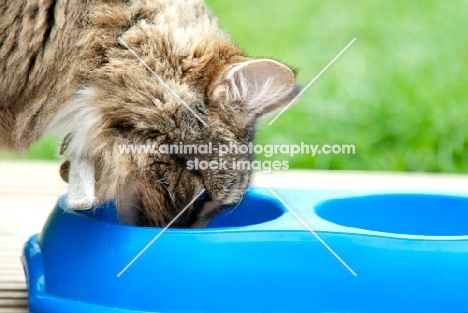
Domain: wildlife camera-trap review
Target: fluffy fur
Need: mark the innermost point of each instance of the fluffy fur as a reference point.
(64, 70)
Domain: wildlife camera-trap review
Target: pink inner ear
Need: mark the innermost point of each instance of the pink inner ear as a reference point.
(260, 85)
(258, 71)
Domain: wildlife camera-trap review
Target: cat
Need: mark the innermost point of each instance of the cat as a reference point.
(72, 68)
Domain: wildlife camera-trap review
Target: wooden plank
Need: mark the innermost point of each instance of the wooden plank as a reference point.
(16, 274)
(12, 267)
(9, 286)
(28, 192)
(16, 253)
(14, 294)
(12, 303)
(14, 310)
(13, 277)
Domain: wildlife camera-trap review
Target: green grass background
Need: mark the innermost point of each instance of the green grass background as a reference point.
(399, 93)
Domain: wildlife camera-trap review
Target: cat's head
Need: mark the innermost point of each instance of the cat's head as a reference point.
(209, 104)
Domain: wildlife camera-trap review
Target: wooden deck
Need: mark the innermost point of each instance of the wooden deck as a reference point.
(29, 190)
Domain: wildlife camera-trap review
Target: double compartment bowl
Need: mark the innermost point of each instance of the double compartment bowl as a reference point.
(408, 250)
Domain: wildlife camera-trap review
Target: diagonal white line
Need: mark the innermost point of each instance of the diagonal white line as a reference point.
(160, 233)
(312, 81)
(314, 233)
(161, 81)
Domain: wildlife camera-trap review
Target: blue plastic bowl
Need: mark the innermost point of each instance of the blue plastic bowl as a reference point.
(409, 251)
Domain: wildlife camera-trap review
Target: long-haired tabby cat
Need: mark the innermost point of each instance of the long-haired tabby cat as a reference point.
(65, 68)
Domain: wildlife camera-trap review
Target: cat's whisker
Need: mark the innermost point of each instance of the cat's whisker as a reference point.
(232, 210)
(152, 195)
(163, 182)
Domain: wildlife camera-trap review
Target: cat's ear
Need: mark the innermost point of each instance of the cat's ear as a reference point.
(261, 86)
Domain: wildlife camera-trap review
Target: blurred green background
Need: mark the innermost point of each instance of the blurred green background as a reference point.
(399, 93)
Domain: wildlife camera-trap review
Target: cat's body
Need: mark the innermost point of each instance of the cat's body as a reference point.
(63, 69)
